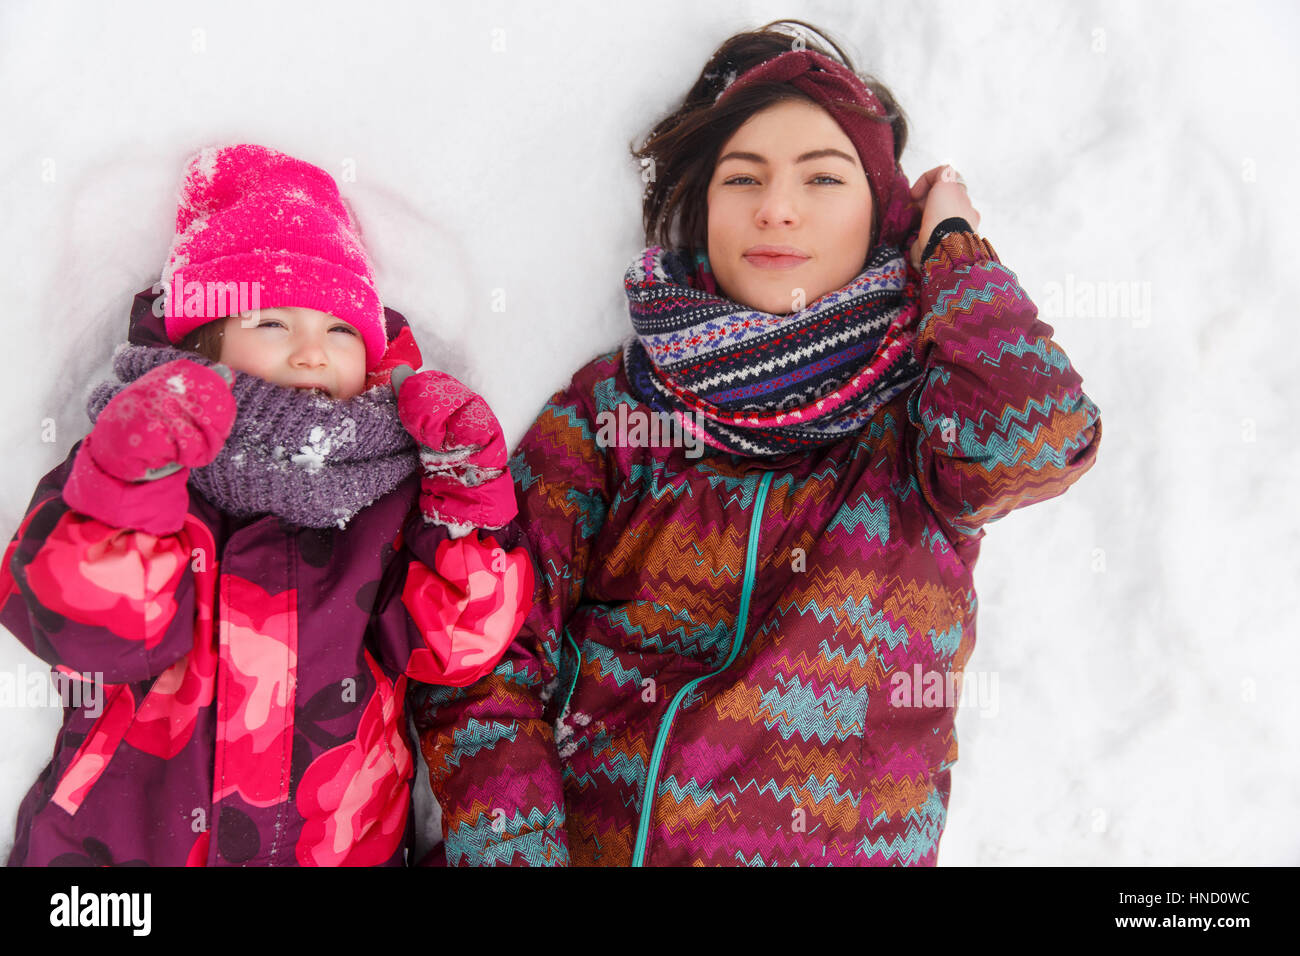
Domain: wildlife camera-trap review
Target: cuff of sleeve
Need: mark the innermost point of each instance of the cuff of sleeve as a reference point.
(446, 500)
(954, 247)
(951, 224)
(157, 506)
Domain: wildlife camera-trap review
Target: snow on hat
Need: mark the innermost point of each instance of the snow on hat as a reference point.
(831, 85)
(256, 228)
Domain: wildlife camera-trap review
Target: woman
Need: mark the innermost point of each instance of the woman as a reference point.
(714, 669)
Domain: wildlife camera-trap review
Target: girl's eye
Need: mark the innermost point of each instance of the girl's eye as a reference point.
(267, 323)
(344, 328)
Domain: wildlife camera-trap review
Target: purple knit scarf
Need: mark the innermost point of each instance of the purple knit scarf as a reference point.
(311, 460)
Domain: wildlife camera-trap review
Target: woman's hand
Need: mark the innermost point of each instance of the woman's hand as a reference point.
(942, 193)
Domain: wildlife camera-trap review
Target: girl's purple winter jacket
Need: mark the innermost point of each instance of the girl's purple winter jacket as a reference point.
(248, 704)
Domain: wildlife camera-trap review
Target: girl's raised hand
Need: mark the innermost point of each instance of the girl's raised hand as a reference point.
(941, 192)
(173, 418)
(132, 469)
(463, 451)
(448, 418)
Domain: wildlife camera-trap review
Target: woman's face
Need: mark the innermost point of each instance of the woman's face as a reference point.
(297, 348)
(789, 209)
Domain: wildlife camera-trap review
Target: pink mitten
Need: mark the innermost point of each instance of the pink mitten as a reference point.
(474, 426)
(131, 470)
(463, 450)
(426, 405)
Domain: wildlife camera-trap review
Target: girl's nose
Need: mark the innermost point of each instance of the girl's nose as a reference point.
(308, 353)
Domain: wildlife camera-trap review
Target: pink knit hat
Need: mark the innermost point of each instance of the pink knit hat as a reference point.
(258, 229)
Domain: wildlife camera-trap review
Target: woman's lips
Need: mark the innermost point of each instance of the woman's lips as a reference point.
(762, 257)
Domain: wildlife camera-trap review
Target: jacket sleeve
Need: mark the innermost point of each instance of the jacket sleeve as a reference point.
(1000, 419)
(89, 598)
(491, 748)
(462, 601)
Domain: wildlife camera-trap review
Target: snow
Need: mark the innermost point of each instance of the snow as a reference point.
(206, 166)
(1142, 627)
(727, 79)
(473, 475)
(312, 456)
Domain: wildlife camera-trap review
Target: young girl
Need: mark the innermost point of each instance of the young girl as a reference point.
(739, 650)
(235, 555)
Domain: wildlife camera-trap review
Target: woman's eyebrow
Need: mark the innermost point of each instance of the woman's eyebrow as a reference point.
(823, 153)
(814, 154)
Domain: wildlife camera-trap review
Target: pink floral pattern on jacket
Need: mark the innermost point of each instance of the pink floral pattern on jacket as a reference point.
(120, 579)
(354, 797)
(258, 669)
(466, 610)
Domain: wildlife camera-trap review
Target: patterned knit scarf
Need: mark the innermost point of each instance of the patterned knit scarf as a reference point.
(757, 384)
(311, 460)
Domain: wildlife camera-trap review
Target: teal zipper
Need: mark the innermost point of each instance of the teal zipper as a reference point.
(656, 756)
(577, 667)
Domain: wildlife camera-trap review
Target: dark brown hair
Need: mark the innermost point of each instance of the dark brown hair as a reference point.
(205, 340)
(682, 150)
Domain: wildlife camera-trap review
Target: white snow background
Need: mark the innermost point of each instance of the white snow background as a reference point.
(1142, 627)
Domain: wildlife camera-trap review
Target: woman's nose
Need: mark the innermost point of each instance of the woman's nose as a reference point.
(777, 207)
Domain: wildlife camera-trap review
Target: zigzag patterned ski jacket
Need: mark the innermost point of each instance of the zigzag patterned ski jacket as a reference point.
(744, 661)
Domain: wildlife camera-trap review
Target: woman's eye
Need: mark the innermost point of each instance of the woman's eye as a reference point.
(823, 179)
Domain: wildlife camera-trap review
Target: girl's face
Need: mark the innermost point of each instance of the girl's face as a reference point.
(297, 348)
(789, 209)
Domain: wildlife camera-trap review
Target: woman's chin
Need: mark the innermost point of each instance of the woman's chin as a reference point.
(774, 299)
(781, 304)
